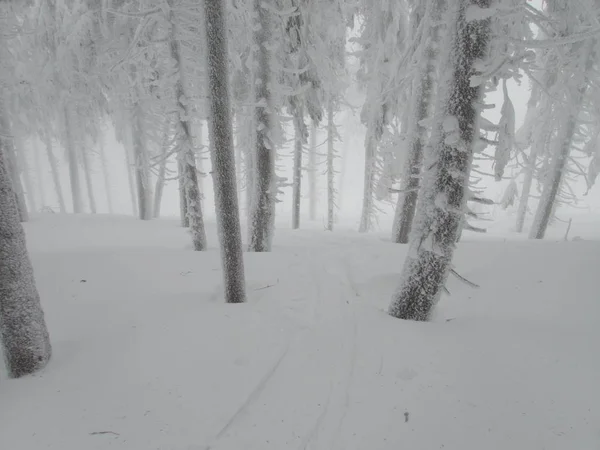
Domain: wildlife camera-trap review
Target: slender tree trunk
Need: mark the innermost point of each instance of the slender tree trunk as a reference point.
(297, 177)
(23, 332)
(186, 150)
(527, 183)
(8, 150)
(222, 154)
(563, 145)
(368, 206)
(183, 206)
(249, 157)
(330, 166)
(38, 173)
(142, 164)
(547, 201)
(105, 172)
(130, 169)
(88, 179)
(54, 170)
(416, 133)
(312, 173)
(73, 163)
(162, 170)
(444, 191)
(23, 168)
(263, 206)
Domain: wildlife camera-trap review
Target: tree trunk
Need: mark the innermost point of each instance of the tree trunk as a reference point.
(248, 153)
(297, 177)
(564, 141)
(416, 133)
(105, 172)
(73, 163)
(312, 173)
(23, 168)
(88, 179)
(130, 177)
(23, 332)
(183, 206)
(330, 166)
(368, 206)
(193, 197)
(141, 165)
(445, 185)
(39, 174)
(8, 149)
(222, 154)
(54, 170)
(263, 206)
(162, 170)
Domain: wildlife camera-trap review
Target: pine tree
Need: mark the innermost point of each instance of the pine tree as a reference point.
(444, 191)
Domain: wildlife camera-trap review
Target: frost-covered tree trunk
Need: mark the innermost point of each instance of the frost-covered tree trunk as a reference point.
(312, 173)
(262, 216)
(141, 163)
(444, 189)
(183, 207)
(23, 168)
(529, 171)
(222, 154)
(187, 157)
(416, 134)
(162, 168)
(297, 174)
(54, 170)
(368, 205)
(8, 149)
(105, 173)
(564, 141)
(130, 177)
(23, 333)
(330, 167)
(38, 173)
(70, 122)
(249, 157)
(88, 179)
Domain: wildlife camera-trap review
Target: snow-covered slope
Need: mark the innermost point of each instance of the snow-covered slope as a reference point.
(146, 355)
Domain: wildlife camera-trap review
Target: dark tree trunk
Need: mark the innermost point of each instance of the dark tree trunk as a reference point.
(23, 333)
(445, 185)
(222, 155)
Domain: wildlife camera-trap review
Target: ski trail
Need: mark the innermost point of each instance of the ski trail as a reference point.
(303, 400)
(254, 395)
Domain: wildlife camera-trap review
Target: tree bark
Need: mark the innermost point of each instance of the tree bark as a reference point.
(222, 154)
(162, 170)
(23, 332)
(263, 206)
(444, 191)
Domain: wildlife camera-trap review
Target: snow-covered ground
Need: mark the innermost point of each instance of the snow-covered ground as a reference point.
(147, 356)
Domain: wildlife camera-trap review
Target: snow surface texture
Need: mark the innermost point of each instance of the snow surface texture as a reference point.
(147, 355)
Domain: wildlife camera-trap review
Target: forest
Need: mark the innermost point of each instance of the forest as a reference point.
(304, 224)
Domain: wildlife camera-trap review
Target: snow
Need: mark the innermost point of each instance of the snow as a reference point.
(148, 356)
